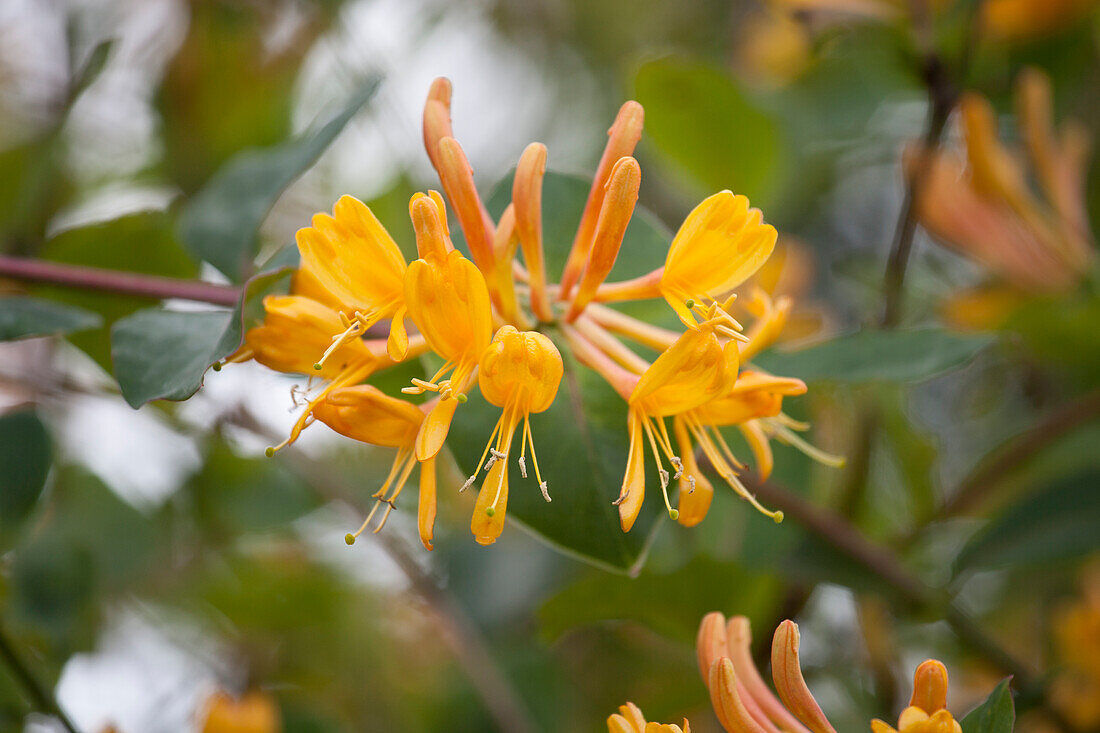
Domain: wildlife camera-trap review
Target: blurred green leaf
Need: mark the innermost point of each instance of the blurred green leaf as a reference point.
(142, 242)
(53, 589)
(26, 317)
(162, 354)
(996, 715)
(1062, 331)
(668, 603)
(25, 454)
(220, 223)
(582, 439)
(1057, 522)
(248, 495)
(865, 356)
(698, 116)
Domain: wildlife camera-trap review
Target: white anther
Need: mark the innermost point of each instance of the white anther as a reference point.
(678, 465)
(664, 477)
(468, 484)
(545, 492)
(523, 466)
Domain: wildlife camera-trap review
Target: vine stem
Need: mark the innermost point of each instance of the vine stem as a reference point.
(838, 533)
(117, 281)
(41, 696)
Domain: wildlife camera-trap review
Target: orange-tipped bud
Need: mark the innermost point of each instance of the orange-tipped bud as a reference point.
(789, 682)
(739, 635)
(711, 643)
(618, 207)
(930, 687)
(437, 118)
(527, 200)
(458, 183)
(729, 704)
(431, 236)
(993, 170)
(623, 137)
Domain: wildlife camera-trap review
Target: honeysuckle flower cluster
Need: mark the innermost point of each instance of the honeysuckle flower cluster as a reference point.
(1032, 242)
(743, 703)
(357, 307)
(1076, 629)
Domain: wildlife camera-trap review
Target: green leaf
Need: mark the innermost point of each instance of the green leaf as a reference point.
(162, 354)
(220, 223)
(1058, 522)
(25, 454)
(242, 495)
(700, 118)
(582, 439)
(27, 317)
(668, 603)
(996, 715)
(871, 355)
(142, 242)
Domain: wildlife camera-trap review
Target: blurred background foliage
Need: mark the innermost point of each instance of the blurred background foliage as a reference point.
(149, 558)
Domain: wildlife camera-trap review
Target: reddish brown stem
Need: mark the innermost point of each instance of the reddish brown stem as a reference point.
(115, 281)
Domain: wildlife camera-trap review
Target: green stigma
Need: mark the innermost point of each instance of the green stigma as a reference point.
(778, 517)
(461, 398)
(673, 514)
(317, 366)
(689, 303)
(349, 538)
(490, 511)
(269, 451)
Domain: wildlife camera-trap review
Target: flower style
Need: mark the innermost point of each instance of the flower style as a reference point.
(520, 373)
(985, 208)
(354, 282)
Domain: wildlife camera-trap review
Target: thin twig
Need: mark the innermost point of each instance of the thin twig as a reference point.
(1018, 450)
(941, 99)
(116, 281)
(42, 698)
(460, 634)
(882, 562)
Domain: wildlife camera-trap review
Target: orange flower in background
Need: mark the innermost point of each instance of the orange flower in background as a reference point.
(985, 208)
(1076, 627)
(254, 712)
(1019, 20)
(353, 280)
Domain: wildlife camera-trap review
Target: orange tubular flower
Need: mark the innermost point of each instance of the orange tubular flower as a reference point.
(629, 719)
(744, 704)
(527, 199)
(520, 373)
(354, 258)
(618, 207)
(366, 414)
(985, 208)
(623, 137)
(721, 243)
(449, 303)
(297, 330)
(697, 368)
